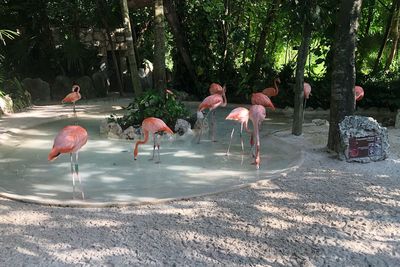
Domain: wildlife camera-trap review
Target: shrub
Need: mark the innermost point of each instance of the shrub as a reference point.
(152, 104)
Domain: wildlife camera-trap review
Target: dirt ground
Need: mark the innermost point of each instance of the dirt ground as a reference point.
(325, 213)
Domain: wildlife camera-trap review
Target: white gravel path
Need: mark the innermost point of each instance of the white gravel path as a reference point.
(326, 213)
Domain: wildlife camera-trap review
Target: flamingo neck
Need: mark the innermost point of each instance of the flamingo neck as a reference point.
(276, 86)
(224, 101)
(140, 142)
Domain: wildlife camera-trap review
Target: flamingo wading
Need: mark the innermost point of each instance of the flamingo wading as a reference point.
(155, 126)
(70, 140)
(241, 115)
(211, 102)
(257, 115)
(73, 97)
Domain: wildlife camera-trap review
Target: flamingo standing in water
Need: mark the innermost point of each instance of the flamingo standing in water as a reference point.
(241, 115)
(70, 140)
(155, 126)
(211, 102)
(73, 97)
(257, 115)
(272, 91)
(262, 99)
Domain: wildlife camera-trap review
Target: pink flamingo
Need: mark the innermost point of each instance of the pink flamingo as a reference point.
(358, 92)
(272, 91)
(70, 140)
(155, 126)
(241, 115)
(215, 88)
(257, 115)
(307, 93)
(262, 99)
(73, 97)
(211, 102)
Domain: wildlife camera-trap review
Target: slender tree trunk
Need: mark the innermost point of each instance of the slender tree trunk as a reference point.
(386, 36)
(297, 127)
(131, 52)
(176, 28)
(370, 17)
(101, 11)
(159, 46)
(343, 73)
(255, 66)
(395, 37)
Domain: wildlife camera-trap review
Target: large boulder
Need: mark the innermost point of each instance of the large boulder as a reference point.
(61, 87)
(100, 83)
(87, 88)
(38, 89)
(182, 126)
(363, 139)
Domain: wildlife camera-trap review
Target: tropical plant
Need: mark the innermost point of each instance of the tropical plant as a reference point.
(152, 104)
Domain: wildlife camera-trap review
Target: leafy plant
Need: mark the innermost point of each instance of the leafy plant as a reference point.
(21, 98)
(152, 104)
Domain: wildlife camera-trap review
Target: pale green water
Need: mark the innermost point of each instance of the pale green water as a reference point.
(110, 175)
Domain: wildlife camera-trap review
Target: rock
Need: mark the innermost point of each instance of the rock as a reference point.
(39, 89)
(6, 105)
(61, 87)
(363, 139)
(104, 126)
(320, 122)
(114, 130)
(129, 133)
(100, 83)
(87, 88)
(397, 122)
(181, 126)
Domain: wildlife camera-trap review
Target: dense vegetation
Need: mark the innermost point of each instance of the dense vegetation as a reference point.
(245, 44)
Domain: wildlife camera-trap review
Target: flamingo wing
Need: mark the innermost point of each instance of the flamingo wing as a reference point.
(154, 125)
(269, 92)
(239, 114)
(71, 97)
(261, 99)
(211, 102)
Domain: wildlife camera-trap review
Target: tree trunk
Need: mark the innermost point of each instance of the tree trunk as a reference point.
(298, 116)
(386, 35)
(176, 28)
(255, 66)
(159, 46)
(343, 73)
(395, 37)
(131, 52)
(101, 11)
(370, 17)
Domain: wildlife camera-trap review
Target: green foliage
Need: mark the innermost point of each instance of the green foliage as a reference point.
(152, 104)
(21, 98)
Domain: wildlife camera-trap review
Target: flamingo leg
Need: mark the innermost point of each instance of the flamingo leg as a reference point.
(74, 107)
(77, 174)
(73, 175)
(230, 141)
(154, 145)
(202, 126)
(158, 150)
(214, 124)
(304, 107)
(241, 137)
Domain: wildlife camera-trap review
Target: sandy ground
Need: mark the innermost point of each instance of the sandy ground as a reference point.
(326, 213)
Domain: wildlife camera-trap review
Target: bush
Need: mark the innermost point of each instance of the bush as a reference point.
(152, 104)
(20, 97)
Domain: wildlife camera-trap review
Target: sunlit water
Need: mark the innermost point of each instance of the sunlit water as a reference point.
(111, 176)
